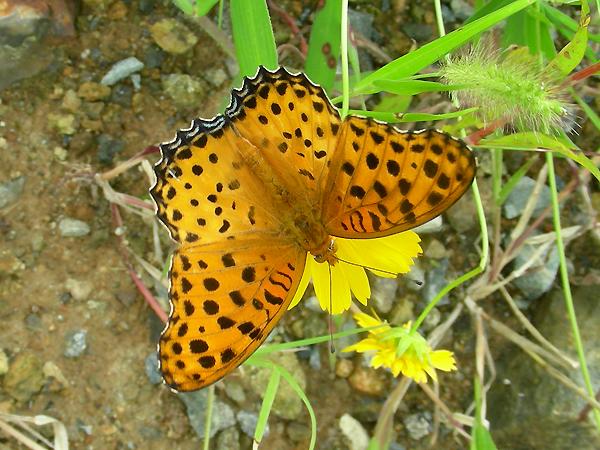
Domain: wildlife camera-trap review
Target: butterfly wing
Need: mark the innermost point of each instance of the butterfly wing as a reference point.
(384, 181)
(235, 272)
(226, 298)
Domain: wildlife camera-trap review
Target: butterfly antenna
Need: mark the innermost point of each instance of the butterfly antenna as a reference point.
(367, 267)
(331, 346)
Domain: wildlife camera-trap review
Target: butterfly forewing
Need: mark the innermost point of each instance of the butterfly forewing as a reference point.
(226, 299)
(384, 181)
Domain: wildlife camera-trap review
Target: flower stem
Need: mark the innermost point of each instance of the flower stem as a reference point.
(564, 276)
(344, 51)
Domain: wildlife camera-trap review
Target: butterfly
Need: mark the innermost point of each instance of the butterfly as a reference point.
(249, 193)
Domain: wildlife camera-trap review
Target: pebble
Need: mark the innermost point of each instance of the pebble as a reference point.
(54, 376)
(463, 215)
(436, 250)
(355, 434)
(10, 264)
(519, 197)
(92, 92)
(151, 368)
(195, 403)
(172, 36)
(153, 57)
(418, 425)
(248, 421)
(435, 280)
(121, 70)
(540, 276)
(71, 102)
(228, 439)
(3, 362)
(433, 226)
(79, 290)
(24, 377)
(461, 9)
(217, 77)
(343, 368)
(146, 6)
(60, 153)
(69, 227)
(184, 90)
(383, 293)
(367, 381)
(75, 343)
(63, 123)
(235, 391)
(122, 95)
(108, 148)
(11, 190)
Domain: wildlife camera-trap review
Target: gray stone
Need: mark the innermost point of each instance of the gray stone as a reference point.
(108, 148)
(435, 280)
(540, 276)
(122, 70)
(217, 77)
(433, 226)
(355, 434)
(75, 343)
(11, 190)
(418, 425)
(73, 227)
(531, 407)
(235, 391)
(383, 293)
(248, 421)
(519, 196)
(463, 214)
(172, 36)
(228, 439)
(151, 368)
(122, 95)
(195, 403)
(153, 57)
(184, 90)
(461, 9)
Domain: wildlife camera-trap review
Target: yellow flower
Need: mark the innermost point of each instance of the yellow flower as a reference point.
(386, 257)
(401, 350)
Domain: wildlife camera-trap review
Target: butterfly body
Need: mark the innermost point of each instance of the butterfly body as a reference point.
(248, 194)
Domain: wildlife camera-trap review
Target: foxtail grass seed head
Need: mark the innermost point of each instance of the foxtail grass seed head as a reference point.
(510, 86)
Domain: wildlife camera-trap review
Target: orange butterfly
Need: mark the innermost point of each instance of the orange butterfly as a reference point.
(249, 193)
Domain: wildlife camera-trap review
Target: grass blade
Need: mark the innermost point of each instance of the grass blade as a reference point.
(253, 36)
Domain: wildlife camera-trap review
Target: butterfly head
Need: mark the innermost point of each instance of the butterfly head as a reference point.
(326, 253)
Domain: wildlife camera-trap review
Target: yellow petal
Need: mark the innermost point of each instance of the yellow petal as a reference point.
(443, 360)
(306, 275)
(340, 297)
(357, 278)
(393, 254)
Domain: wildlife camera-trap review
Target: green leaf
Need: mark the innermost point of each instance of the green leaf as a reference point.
(482, 439)
(267, 404)
(409, 117)
(413, 62)
(530, 29)
(592, 115)
(412, 87)
(572, 53)
(538, 141)
(324, 44)
(252, 36)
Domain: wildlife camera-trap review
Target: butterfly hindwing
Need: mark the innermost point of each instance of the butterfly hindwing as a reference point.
(226, 298)
(384, 181)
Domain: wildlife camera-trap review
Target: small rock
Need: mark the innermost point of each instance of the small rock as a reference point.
(3, 362)
(73, 228)
(217, 77)
(56, 379)
(146, 6)
(71, 101)
(126, 296)
(92, 92)
(432, 320)
(461, 9)
(172, 36)
(343, 368)
(122, 95)
(153, 57)
(463, 215)
(151, 368)
(185, 91)
(9, 264)
(136, 80)
(383, 293)
(235, 391)
(121, 70)
(355, 434)
(519, 197)
(228, 439)
(108, 148)
(540, 276)
(66, 124)
(418, 425)
(60, 153)
(248, 421)
(33, 322)
(75, 343)
(11, 190)
(79, 290)
(366, 381)
(435, 280)
(195, 403)
(433, 226)
(24, 377)
(436, 250)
